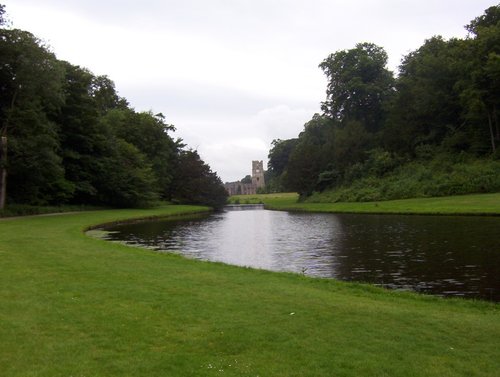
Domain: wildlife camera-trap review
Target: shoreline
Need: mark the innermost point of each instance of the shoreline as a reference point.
(463, 205)
(93, 307)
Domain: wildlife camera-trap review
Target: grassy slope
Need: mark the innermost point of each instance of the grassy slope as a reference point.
(479, 204)
(73, 305)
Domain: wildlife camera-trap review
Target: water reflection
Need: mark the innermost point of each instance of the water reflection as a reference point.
(449, 256)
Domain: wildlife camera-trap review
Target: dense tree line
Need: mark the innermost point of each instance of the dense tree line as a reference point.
(68, 137)
(443, 105)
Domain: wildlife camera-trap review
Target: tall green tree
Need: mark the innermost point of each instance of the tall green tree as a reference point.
(312, 154)
(149, 133)
(195, 183)
(481, 88)
(126, 178)
(3, 140)
(279, 155)
(82, 138)
(445, 101)
(359, 85)
(30, 96)
(427, 105)
(109, 150)
(488, 19)
(278, 158)
(102, 90)
(71, 137)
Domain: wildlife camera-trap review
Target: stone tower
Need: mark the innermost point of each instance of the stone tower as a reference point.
(258, 174)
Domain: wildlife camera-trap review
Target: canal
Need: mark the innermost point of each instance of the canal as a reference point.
(441, 255)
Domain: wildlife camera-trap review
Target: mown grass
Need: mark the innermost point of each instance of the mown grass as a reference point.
(476, 204)
(71, 305)
(277, 198)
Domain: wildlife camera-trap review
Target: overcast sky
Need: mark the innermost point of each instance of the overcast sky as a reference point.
(231, 75)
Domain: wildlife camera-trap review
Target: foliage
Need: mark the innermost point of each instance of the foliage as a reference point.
(481, 88)
(82, 144)
(279, 155)
(358, 85)
(426, 107)
(68, 137)
(277, 162)
(310, 156)
(443, 105)
(442, 176)
(128, 180)
(247, 179)
(30, 96)
(195, 182)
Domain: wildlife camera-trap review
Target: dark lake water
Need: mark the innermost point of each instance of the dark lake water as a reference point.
(442, 255)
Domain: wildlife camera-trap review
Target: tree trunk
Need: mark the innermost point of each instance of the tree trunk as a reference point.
(495, 117)
(3, 171)
(492, 135)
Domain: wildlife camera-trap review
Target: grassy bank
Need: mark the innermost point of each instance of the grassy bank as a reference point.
(71, 305)
(478, 204)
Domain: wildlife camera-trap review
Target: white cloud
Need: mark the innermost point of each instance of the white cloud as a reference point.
(235, 156)
(231, 147)
(282, 122)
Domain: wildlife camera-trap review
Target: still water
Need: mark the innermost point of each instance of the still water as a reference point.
(442, 255)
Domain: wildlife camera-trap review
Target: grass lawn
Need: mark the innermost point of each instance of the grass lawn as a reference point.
(71, 305)
(477, 204)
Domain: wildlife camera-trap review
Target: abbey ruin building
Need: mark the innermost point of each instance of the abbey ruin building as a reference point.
(239, 188)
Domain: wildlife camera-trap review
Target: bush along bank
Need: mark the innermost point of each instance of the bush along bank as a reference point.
(440, 176)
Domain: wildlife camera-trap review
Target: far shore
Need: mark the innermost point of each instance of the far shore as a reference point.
(475, 204)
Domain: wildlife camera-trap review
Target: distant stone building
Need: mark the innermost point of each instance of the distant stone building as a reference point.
(239, 188)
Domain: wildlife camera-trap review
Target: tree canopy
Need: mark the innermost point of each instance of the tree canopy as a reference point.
(358, 85)
(444, 101)
(68, 137)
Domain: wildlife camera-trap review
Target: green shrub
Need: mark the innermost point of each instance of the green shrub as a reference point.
(443, 175)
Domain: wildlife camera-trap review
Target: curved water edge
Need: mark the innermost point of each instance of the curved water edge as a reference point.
(447, 256)
(146, 219)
